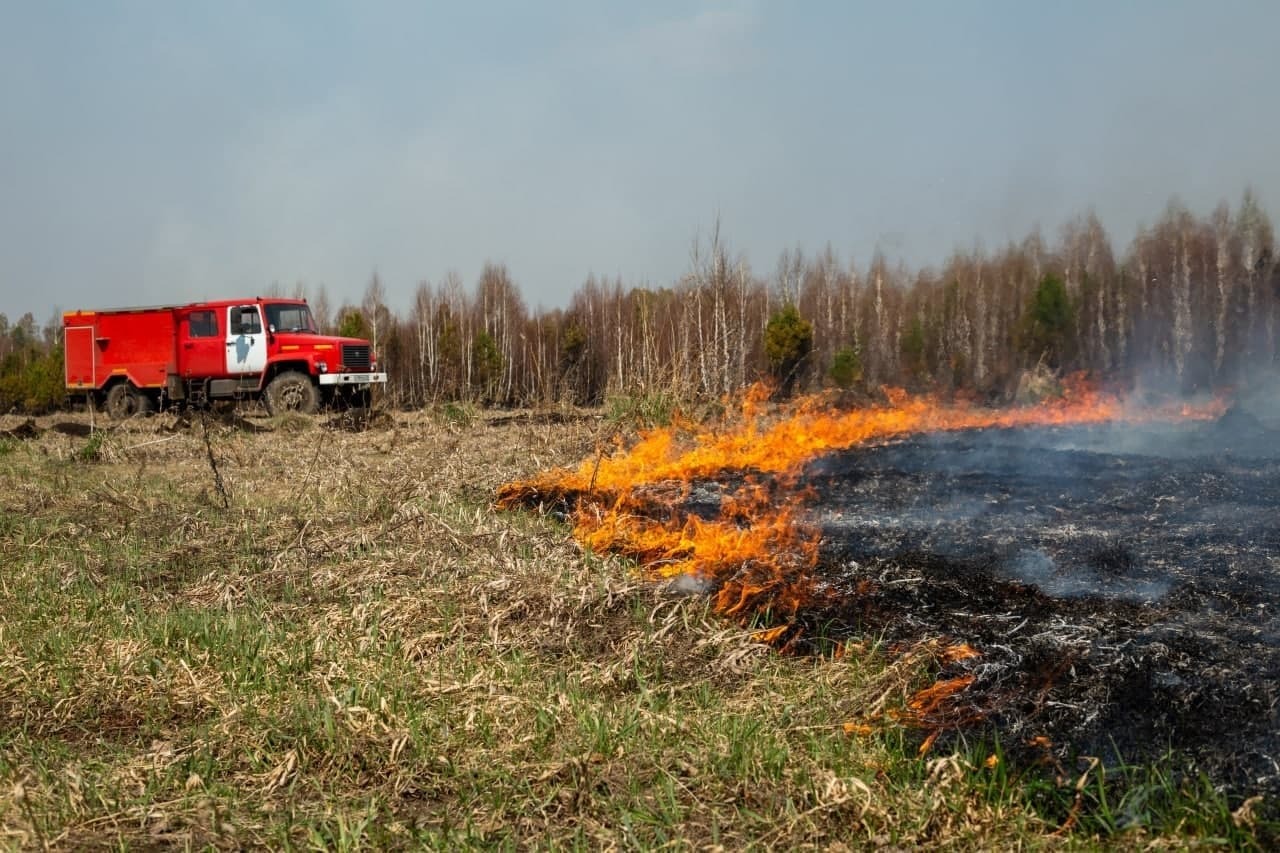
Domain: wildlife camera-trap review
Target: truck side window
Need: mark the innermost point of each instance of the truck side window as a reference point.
(203, 324)
(245, 321)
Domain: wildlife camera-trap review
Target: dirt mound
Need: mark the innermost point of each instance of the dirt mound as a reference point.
(76, 429)
(32, 429)
(21, 431)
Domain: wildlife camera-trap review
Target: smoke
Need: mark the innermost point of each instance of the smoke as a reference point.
(1036, 568)
(1121, 511)
(683, 586)
(1261, 400)
(1249, 429)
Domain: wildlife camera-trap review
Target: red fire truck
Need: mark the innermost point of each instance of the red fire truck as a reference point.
(132, 360)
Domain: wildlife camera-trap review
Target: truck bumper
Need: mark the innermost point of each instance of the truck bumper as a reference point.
(352, 378)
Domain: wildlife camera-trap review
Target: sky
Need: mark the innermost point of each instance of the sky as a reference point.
(155, 152)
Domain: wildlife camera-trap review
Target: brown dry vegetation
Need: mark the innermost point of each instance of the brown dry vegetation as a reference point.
(344, 645)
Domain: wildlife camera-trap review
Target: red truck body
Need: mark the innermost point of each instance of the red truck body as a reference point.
(135, 359)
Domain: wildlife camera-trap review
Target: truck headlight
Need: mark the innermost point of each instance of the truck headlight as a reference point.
(322, 366)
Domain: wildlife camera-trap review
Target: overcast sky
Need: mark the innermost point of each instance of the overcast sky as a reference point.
(159, 151)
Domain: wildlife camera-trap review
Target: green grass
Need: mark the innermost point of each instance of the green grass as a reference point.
(642, 410)
(459, 415)
(366, 656)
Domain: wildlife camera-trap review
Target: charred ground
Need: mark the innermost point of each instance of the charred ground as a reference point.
(1120, 583)
(1116, 575)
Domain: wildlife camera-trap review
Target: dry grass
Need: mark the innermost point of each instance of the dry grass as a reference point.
(342, 645)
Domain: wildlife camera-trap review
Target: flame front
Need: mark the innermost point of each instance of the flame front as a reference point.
(752, 443)
(759, 556)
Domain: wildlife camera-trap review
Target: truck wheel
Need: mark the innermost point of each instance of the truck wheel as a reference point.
(125, 401)
(292, 392)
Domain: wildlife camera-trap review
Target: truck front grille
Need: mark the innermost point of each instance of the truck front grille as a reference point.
(355, 356)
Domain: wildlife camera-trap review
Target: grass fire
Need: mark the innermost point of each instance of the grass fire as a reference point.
(755, 548)
(1090, 576)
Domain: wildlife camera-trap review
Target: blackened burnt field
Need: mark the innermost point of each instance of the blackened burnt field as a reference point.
(1119, 582)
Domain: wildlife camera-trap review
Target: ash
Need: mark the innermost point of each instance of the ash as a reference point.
(1120, 582)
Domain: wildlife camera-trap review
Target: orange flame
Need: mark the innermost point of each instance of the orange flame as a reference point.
(928, 702)
(783, 446)
(757, 554)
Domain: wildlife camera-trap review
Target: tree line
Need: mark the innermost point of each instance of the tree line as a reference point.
(1192, 303)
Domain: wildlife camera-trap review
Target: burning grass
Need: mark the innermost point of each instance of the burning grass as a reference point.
(752, 545)
(756, 554)
(352, 649)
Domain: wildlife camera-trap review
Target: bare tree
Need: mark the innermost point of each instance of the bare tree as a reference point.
(376, 313)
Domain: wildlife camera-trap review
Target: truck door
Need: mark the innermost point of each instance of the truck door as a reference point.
(246, 341)
(201, 354)
(80, 354)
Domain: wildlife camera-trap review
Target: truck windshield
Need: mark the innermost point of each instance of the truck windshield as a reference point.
(290, 318)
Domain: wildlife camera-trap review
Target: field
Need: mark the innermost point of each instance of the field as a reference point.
(228, 631)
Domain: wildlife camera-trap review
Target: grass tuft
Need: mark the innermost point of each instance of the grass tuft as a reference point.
(458, 415)
(641, 410)
(292, 422)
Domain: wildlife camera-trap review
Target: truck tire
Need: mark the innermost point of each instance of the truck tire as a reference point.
(125, 401)
(292, 391)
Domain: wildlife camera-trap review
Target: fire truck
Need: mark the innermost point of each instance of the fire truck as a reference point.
(133, 360)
